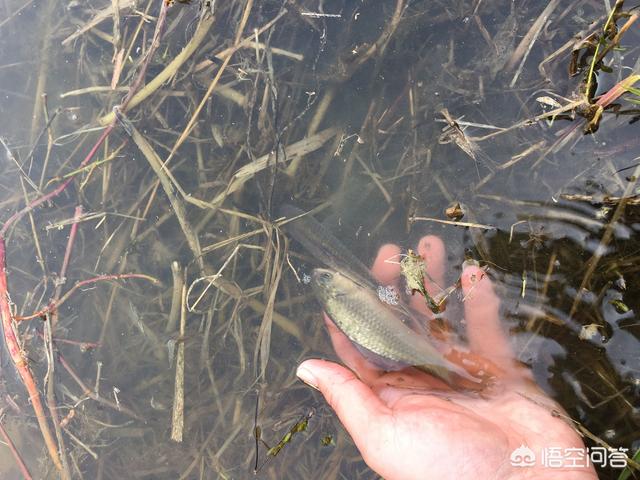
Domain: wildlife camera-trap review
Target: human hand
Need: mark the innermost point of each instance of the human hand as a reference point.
(409, 425)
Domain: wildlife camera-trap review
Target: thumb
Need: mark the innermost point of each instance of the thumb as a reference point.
(359, 409)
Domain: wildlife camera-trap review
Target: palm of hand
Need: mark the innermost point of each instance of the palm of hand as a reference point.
(410, 425)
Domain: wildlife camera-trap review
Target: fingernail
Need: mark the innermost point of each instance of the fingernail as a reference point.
(307, 377)
(470, 262)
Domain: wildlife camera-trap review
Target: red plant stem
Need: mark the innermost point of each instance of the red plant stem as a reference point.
(67, 253)
(65, 262)
(56, 304)
(16, 455)
(20, 362)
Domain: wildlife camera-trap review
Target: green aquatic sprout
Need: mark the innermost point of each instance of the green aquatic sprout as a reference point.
(620, 306)
(300, 426)
(327, 441)
(631, 466)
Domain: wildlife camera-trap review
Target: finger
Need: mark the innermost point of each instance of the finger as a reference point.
(386, 267)
(432, 250)
(350, 355)
(357, 406)
(481, 306)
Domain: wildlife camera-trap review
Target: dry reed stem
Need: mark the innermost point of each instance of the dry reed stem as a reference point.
(169, 186)
(176, 297)
(43, 72)
(177, 417)
(169, 71)
(450, 222)
(98, 18)
(293, 152)
(530, 36)
(49, 381)
(263, 343)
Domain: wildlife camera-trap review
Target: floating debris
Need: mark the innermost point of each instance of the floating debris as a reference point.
(413, 269)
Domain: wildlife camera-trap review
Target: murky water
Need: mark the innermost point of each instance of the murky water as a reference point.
(350, 105)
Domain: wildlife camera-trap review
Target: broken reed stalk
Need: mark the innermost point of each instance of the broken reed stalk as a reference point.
(263, 342)
(169, 71)
(178, 282)
(169, 186)
(177, 417)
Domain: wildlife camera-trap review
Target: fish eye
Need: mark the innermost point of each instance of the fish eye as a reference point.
(324, 278)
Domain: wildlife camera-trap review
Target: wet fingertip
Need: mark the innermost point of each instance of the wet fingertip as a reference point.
(307, 375)
(388, 251)
(472, 274)
(386, 267)
(431, 248)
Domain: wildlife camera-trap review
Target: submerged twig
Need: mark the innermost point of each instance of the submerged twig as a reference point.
(177, 417)
(450, 222)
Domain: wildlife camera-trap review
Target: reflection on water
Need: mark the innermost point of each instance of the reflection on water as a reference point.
(340, 113)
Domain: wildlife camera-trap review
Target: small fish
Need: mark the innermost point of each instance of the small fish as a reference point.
(377, 329)
(331, 252)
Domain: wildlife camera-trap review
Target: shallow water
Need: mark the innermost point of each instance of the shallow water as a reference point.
(382, 167)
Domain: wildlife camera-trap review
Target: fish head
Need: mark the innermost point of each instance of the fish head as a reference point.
(323, 282)
(331, 285)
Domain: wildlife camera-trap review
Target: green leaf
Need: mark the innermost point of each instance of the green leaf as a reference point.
(626, 473)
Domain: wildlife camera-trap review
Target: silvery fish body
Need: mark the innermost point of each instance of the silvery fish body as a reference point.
(365, 320)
